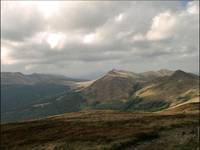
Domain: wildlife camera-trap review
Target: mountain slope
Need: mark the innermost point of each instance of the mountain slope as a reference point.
(56, 104)
(20, 93)
(170, 88)
(149, 91)
(115, 85)
(119, 85)
(191, 105)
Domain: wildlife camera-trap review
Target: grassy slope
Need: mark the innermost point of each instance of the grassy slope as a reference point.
(57, 104)
(100, 130)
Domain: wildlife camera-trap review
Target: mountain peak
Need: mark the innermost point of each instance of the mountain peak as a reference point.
(180, 73)
(113, 71)
(164, 71)
(121, 73)
(159, 73)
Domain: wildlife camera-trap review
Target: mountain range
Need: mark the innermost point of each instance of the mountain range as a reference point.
(17, 78)
(34, 96)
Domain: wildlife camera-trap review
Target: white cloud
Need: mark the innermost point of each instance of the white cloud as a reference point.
(162, 26)
(139, 37)
(30, 67)
(89, 38)
(193, 8)
(6, 59)
(167, 24)
(92, 38)
(119, 17)
(55, 40)
(48, 8)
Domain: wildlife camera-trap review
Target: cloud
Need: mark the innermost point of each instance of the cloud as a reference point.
(19, 21)
(119, 17)
(193, 8)
(85, 39)
(85, 17)
(162, 26)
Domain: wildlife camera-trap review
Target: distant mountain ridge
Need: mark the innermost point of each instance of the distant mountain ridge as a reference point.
(159, 73)
(152, 90)
(153, 74)
(119, 84)
(35, 78)
(38, 95)
(170, 88)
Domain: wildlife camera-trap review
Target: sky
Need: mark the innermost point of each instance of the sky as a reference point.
(86, 39)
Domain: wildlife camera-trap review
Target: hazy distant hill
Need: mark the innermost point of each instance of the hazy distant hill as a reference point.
(29, 96)
(8, 78)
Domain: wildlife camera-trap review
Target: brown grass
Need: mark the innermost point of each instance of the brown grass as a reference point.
(101, 130)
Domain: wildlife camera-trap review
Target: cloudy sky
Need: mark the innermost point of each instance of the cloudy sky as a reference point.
(86, 39)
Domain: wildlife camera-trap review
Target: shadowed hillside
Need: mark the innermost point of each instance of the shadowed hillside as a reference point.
(25, 97)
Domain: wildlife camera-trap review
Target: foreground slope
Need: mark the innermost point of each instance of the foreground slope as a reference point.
(101, 130)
